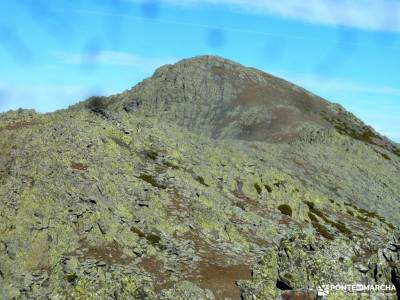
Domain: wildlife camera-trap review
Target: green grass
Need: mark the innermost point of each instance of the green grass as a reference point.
(312, 217)
(363, 219)
(152, 155)
(310, 204)
(120, 142)
(97, 104)
(285, 209)
(322, 230)
(153, 239)
(280, 183)
(338, 225)
(71, 278)
(152, 180)
(341, 227)
(138, 232)
(268, 188)
(258, 188)
(201, 180)
(366, 215)
(170, 165)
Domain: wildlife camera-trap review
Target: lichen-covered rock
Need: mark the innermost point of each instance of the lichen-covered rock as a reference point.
(101, 201)
(186, 290)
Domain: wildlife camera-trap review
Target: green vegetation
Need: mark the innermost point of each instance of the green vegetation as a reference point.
(138, 232)
(268, 188)
(152, 154)
(280, 183)
(201, 180)
(310, 204)
(153, 239)
(97, 104)
(100, 203)
(313, 212)
(152, 180)
(170, 165)
(79, 166)
(341, 227)
(285, 209)
(363, 134)
(322, 230)
(363, 218)
(366, 215)
(258, 188)
(120, 143)
(312, 217)
(71, 278)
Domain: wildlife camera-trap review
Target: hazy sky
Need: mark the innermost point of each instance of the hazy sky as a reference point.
(55, 53)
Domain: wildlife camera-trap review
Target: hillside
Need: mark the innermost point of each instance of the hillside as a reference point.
(209, 180)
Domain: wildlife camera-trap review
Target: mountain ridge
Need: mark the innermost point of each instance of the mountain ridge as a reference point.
(140, 196)
(244, 110)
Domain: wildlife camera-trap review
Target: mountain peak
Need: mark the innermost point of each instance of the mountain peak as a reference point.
(207, 60)
(112, 198)
(224, 99)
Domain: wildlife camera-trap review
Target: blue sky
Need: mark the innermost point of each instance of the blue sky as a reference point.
(56, 53)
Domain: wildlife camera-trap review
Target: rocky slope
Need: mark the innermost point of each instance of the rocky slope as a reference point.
(208, 180)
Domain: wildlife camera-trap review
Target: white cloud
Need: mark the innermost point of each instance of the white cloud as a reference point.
(381, 15)
(117, 58)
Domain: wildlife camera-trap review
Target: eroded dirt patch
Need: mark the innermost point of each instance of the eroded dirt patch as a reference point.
(217, 271)
(79, 166)
(221, 280)
(21, 125)
(110, 253)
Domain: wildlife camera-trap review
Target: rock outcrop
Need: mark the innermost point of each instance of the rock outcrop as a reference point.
(208, 180)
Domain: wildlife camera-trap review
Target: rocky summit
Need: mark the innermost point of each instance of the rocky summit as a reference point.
(209, 180)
